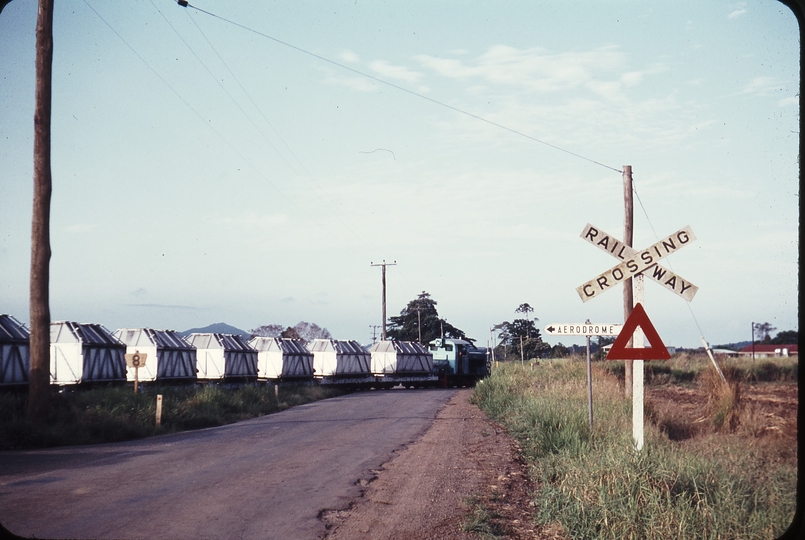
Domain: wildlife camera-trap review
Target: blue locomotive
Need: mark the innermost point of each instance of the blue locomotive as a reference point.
(459, 362)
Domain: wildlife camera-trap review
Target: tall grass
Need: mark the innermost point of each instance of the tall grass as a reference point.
(593, 484)
(686, 368)
(116, 413)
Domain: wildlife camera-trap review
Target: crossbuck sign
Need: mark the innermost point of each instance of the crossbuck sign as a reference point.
(637, 262)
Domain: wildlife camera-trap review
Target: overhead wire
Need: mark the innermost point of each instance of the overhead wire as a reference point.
(183, 100)
(316, 187)
(184, 3)
(215, 131)
(668, 261)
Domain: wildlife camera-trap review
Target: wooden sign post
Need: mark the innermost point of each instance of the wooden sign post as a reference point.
(136, 360)
(159, 409)
(586, 329)
(629, 271)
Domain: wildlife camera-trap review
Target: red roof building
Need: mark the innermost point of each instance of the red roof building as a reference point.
(765, 350)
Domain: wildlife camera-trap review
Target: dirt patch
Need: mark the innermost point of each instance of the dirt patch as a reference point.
(463, 466)
(767, 410)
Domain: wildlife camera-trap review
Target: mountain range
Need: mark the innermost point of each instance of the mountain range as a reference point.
(217, 328)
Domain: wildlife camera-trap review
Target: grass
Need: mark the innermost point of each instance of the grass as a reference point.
(481, 521)
(593, 484)
(687, 368)
(114, 414)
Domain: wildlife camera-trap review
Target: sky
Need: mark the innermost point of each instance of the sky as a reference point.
(248, 162)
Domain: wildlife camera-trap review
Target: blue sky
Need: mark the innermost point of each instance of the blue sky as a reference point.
(240, 166)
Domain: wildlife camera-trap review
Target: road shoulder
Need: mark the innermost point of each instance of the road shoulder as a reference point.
(463, 466)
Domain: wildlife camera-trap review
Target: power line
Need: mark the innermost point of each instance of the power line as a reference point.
(210, 126)
(184, 3)
(668, 260)
(183, 100)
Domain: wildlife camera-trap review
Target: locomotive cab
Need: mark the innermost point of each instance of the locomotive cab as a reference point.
(458, 361)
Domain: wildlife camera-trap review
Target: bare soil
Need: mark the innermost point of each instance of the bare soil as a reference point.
(463, 462)
(767, 410)
(466, 462)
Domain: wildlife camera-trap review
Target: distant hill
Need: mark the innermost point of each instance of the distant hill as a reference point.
(733, 346)
(217, 328)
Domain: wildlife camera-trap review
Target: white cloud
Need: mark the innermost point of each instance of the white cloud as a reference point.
(740, 10)
(761, 86)
(536, 68)
(349, 56)
(632, 78)
(361, 84)
(792, 101)
(400, 73)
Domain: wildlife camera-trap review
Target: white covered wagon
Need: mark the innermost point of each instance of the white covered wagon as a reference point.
(223, 357)
(168, 356)
(402, 362)
(85, 353)
(15, 352)
(340, 359)
(282, 358)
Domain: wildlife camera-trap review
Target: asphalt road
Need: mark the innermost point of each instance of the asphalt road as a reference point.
(269, 477)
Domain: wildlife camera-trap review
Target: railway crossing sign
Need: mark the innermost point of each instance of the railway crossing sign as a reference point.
(656, 350)
(635, 262)
(586, 329)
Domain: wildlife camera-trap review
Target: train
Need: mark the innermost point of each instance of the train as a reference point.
(87, 354)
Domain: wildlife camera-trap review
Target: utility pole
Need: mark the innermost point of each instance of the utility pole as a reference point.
(492, 343)
(753, 341)
(374, 328)
(419, 323)
(39, 378)
(383, 266)
(628, 237)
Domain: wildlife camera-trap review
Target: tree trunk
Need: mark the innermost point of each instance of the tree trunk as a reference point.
(39, 388)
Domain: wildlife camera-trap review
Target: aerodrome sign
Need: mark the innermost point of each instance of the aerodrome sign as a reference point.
(635, 262)
(586, 329)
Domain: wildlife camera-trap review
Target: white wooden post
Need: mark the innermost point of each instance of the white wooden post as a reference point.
(159, 409)
(713, 360)
(637, 373)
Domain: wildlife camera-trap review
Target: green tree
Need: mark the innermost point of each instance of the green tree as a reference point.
(267, 330)
(520, 334)
(559, 351)
(303, 330)
(525, 309)
(310, 331)
(420, 317)
(763, 331)
(598, 349)
(786, 337)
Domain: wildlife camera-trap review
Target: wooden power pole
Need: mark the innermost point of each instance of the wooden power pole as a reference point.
(628, 237)
(39, 378)
(383, 266)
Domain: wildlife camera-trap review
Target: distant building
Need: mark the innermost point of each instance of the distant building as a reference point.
(724, 352)
(766, 350)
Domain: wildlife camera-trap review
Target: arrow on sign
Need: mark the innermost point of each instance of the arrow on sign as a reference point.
(638, 263)
(661, 275)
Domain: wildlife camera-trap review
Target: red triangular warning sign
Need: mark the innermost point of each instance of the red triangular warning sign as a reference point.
(656, 349)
